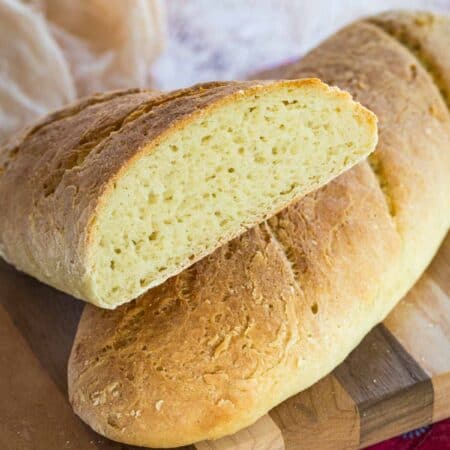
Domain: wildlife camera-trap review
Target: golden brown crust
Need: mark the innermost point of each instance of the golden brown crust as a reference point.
(266, 315)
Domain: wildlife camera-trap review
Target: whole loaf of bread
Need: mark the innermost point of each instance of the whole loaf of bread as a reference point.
(271, 312)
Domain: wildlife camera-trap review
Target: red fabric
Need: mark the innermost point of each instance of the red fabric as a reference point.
(434, 437)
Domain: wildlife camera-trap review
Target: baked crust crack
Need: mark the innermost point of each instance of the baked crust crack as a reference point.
(414, 47)
(376, 166)
(286, 252)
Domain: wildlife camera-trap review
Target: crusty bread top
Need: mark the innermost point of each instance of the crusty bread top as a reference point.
(424, 34)
(268, 314)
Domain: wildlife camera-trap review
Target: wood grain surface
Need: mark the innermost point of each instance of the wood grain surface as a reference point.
(396, 380)
(392, 392)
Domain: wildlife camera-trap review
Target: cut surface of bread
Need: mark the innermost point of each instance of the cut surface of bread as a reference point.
(137, 187)
(211, 350)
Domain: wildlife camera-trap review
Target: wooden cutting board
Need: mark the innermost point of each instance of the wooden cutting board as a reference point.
(396, 380)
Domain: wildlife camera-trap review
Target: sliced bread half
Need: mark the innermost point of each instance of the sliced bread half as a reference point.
(115, 194)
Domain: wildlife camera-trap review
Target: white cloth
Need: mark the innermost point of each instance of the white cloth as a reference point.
(53, 51)
(229, 39)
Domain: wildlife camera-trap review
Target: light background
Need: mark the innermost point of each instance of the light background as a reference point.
(228, 39)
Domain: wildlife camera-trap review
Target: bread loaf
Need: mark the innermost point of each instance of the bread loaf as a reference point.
(268, 314)
(115, 194)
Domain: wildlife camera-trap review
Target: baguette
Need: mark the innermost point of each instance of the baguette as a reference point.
(271, 312)
(115, 194)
